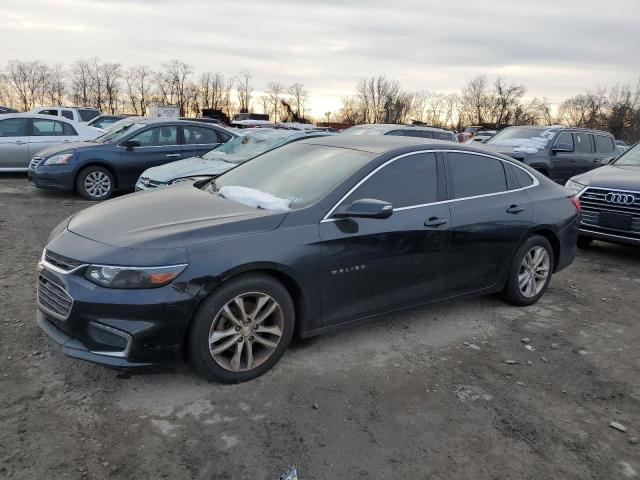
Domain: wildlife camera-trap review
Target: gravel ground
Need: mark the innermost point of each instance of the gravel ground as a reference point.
(431, 393)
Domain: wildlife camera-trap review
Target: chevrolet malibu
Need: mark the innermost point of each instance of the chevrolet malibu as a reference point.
(313, 235)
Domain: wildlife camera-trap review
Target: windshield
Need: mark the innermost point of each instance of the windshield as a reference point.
(630, 157)
(532, 137)
(243, 148)
(116, 134)
(298, 172)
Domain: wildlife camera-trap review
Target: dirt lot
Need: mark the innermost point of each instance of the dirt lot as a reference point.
(424, 394)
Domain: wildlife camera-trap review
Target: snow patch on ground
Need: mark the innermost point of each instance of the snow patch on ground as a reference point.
(469, 393)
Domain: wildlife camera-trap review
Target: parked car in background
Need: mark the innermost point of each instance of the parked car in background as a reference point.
(556, 151)
(610, 198)
(481, 137)
(104, 121)
(402, 130)
(75, 114)
(222, 158)
(22, 135)
(7, 110)
(302, 239)
(116, 159)
(202, 120)
(622, 146)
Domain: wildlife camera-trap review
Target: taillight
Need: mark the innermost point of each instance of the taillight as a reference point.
(576, 202)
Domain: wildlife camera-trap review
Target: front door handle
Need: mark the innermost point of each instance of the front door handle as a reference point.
(20, 142)
(435, 222)
(515, 209)
(172, 155)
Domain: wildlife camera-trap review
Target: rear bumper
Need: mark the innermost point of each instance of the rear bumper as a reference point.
(568, 239)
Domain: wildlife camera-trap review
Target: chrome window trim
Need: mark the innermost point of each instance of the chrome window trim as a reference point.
(122, 353)
(535, 183)
(44, 263)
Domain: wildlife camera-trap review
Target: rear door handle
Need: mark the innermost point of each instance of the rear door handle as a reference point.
(20, 142)
(435, 222)
(515, 209)
(172, 155)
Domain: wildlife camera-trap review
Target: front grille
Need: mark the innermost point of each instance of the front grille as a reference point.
(594, 204)
(53, 299)
(60, 261)
(35, 161)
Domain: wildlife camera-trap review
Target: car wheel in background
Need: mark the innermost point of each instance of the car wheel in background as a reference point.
(95, 183)
(530, 272)
(242, 329)
(584, 242)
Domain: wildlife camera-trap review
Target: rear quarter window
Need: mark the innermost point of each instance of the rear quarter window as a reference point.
(470, 175)
(604, 144)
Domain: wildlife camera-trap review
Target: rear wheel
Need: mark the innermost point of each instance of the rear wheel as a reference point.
(530, 272)
(584, 242)
(95, 183)
(242, 329)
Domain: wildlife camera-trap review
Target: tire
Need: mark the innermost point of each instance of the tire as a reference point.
(215, 362)
(584, 242)
(518, 271)
(95, 183)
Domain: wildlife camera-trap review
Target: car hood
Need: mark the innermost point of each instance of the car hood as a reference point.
(66, 147)
(622, 177)
(175, 217)
(188, 167)
(513, 152)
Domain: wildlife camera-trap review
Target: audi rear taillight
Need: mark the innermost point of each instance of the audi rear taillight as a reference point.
(576, 202)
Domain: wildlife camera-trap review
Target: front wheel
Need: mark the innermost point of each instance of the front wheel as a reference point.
(242, 329)
(530, 272)
(95, 183)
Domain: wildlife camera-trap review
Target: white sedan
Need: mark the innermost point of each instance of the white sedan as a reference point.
(22, 135)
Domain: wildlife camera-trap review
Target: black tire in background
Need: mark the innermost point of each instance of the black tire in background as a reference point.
(199, 351)
(512, 292)
(584, 242)
(95, 183)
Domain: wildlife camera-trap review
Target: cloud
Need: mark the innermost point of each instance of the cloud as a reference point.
(556, 48)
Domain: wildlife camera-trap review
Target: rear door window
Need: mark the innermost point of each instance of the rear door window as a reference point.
(604, 144)
(158, 136)
(69, 131)
(87, 114)
(47, 128)
(199, 135)
(418, 133)
(408, 181)
(67, 114)
(470, 175)
(583, 142)
(13, 127)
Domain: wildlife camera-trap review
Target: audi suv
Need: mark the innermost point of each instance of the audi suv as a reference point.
(610, 197)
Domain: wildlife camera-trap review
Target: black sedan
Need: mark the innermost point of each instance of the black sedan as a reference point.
(115, 160)
(312, 235)
(610, 196)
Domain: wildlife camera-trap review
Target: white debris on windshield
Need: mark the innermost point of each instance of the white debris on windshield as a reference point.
(255, 198)
(529, 145)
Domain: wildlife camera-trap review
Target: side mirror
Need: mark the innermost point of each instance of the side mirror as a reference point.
(365, 208)
(562, 147)
(129, 144)
(607, 161)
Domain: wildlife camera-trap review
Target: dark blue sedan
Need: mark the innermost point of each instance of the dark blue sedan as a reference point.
(115, 160)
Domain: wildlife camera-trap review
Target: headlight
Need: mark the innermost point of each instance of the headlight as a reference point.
(189, 179)
(62, 159)
(575, 187)
(132, 277)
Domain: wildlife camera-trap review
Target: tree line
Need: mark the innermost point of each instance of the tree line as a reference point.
(115, 88)
(492, 103)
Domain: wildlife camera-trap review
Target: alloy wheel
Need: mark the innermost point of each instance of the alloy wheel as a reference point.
(246, 331)
(97, 184)
(534, 271)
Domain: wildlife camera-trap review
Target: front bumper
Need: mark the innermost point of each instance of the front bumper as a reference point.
(116, 327)
(608, 236)
(54, 177)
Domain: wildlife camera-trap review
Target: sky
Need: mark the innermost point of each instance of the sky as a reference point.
(556, 48)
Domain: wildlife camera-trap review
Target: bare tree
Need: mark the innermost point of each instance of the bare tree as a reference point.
(174, 78)
(139, 88)
(275, 90)
(476, 100)
(27, 81)
(298, 98)
(506, 101)
(80, 82)
(244, 88)
(54, 85)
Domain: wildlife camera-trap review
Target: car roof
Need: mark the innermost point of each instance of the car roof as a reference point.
(561, 128)
(38, 115)
(398, 126)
